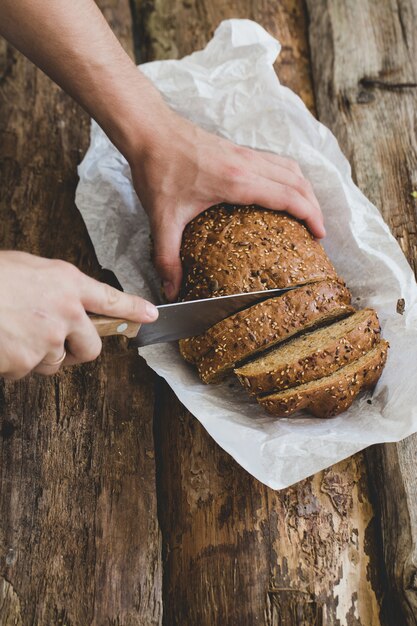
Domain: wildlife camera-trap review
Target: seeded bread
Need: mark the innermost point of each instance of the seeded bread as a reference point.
(332, 394)
(313, 355)
(229, 249)
(305, 301)
(267, 323)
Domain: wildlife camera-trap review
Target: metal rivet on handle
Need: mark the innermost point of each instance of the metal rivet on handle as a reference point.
(122, 327)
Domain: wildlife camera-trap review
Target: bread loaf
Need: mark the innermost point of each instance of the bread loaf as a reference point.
(330, 395)
(312, 355)
(229, 249)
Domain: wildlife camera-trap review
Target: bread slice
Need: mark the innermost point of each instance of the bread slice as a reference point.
(278, 317)
(233, 249)
(312, 355)
(332, 394)
(267, 323)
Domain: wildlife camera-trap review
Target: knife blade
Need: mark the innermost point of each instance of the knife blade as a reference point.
(179, 320)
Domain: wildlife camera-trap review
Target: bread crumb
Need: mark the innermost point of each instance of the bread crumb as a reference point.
(400, 306)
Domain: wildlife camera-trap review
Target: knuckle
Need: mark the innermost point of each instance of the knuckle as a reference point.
(56, 337)
(293, 202)
(165, 261)
(112, 295)
(234, 174)
(293, 165)
(63, 267)
(92, 351)
(167, 265)
(246, 153)
(136, 306)
(303, 185)
(75, 312)
(23, 364)
(291, 196)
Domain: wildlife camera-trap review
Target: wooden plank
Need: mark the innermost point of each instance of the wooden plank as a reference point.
(79, 539)
(236, 552)
(364, 56)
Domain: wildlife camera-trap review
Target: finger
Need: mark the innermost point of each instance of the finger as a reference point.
(287, 177)
(22, 364)
(167, 243)
(52, 362)
(285, 162)
(83, 344)
(277, 196)
(101, 298)
(282, 170)
(276, 159)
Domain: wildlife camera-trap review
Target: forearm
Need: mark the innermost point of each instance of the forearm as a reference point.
(178, 169)
(74, 45)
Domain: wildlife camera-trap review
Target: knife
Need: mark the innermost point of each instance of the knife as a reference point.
(181, 319)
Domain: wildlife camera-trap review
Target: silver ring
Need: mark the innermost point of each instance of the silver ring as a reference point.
(55, 363)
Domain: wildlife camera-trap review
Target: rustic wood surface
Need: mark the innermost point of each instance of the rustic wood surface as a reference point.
(366, 86)
(236, 552)
(79, 538)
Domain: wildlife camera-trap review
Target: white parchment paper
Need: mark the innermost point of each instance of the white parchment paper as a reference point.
(230, 88)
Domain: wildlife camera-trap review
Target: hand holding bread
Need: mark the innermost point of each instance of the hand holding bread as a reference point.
(183, 170)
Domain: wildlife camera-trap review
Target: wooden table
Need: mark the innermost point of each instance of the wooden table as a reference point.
(115, 506)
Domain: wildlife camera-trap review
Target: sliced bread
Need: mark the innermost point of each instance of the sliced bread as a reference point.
(332, 394)
(313, 355)
(264, 319)
(267, 323)
(233, 249)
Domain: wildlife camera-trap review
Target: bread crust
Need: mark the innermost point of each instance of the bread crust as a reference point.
(267, 323)
(234, 249)
(331, 395)
(337, 348)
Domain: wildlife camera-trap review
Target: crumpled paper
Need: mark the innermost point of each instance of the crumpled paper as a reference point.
(230, 88)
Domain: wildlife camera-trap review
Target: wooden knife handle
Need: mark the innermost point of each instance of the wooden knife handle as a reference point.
(107, 326)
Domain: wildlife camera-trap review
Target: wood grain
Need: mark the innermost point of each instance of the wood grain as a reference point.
(364, 57)
(79, 538)
(170, 29)
(236, 552)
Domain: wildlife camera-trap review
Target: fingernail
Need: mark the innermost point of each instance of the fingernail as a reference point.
(151, 311)
(169, 289)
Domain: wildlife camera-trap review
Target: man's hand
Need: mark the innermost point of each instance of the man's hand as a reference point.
(43, 312)
(178, 169)
(181, 170)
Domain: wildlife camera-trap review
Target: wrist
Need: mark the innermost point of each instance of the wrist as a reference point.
(138, 118)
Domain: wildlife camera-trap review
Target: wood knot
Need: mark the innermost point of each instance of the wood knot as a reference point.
(7, 429)
(413, 581)
(364, 97)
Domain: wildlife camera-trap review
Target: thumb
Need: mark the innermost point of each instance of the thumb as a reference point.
(167, 243)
